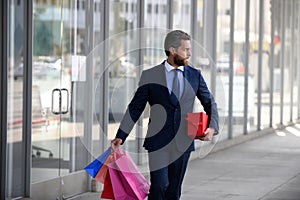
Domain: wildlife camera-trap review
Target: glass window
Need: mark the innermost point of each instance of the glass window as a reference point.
(253, 64)
(238, 71)
(198, 52)
(276, 62)
(155, 31)
(182, 15)
(287, 63)
(222, 63)
(265, 96)
(123, 65)
(96, 57)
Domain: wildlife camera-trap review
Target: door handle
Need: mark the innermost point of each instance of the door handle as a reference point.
(60, 101)
(56, 98)
(64, 101)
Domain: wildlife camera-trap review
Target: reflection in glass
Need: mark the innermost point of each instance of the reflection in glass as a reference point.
(253, 61)
(45, 79)
(123, 63)
(266, 84)
(222, 62)
(182, 15)
(238, 71)
(287, 76)
(156, 24)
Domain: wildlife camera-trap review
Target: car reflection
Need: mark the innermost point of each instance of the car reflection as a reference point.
(124, 66)
(224, 67)
(41, 69)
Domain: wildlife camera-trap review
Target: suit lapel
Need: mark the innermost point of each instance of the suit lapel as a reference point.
(161, 79)
(161, 75)
(163, 82)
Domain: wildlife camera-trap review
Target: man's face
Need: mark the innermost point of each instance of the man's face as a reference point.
(182, 53)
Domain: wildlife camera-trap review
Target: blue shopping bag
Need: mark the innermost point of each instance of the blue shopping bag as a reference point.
(93, 168)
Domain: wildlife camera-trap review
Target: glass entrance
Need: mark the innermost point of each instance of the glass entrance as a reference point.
(50, 92)
(66, 80)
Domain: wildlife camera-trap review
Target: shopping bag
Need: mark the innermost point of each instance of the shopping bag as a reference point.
(129, 175)
(101, 175)
(121, 188)
(107, 192)
(93, 168)
(197, 124)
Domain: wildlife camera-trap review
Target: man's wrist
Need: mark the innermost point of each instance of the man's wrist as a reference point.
(215, 132)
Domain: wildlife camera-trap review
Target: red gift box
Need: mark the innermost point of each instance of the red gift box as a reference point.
(197, 124)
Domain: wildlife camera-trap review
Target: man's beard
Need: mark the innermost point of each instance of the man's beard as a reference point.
(178, 60)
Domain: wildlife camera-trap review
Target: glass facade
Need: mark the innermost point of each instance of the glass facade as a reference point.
(84, 65)
(222, 63)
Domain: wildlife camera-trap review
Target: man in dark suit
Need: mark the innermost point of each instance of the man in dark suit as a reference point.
(170, 89)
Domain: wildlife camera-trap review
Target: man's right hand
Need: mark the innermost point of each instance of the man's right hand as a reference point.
(115, 143)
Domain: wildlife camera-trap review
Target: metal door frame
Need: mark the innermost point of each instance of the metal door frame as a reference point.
(3, 95)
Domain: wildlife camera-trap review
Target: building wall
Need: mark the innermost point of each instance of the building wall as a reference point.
(85, 62)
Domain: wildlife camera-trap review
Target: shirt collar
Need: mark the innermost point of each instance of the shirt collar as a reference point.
(170, 67)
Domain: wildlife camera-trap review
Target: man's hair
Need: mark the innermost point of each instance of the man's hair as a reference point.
(173, 39)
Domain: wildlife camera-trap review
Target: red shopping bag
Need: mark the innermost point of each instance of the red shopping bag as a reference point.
(107, 192)
(127, 181)
(101, 175)
(197, 124)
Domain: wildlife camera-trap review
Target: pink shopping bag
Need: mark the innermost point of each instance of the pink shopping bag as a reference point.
(129, 175)
(121, 188)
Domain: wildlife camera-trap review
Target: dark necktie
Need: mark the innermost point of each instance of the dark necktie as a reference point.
(176, 85)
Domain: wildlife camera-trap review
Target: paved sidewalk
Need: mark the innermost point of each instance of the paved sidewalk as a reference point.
(265, 168)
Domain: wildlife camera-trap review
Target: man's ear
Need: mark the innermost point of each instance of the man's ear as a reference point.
(172, 50)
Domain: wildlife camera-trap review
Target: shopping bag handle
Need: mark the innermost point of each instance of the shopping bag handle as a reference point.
(118, 152)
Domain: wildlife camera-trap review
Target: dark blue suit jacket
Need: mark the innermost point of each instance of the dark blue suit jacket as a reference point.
(167, 123)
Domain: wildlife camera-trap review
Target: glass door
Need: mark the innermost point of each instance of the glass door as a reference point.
(50, 101)
(67, 77)
(47, 93)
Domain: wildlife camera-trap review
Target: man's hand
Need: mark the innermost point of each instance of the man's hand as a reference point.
(115, 143)
(209, 133)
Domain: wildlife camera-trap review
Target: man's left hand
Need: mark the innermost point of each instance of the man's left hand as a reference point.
(209, 133)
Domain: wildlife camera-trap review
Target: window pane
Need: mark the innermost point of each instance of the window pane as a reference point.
(156, 24)
(238, 70)
(123, 64)
(222, 63)
(253, 61)
(277, 57)
(287, 62)
(265, 96)
(182, 15)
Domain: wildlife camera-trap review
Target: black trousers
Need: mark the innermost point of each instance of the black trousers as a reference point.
(167, 170)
